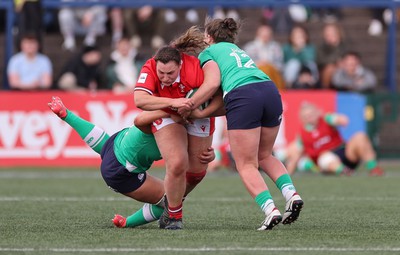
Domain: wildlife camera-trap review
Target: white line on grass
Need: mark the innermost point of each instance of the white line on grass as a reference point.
(219, 199)
(205, 249)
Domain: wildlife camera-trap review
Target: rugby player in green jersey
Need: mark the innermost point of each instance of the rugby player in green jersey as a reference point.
(126, 156)
(254, 113)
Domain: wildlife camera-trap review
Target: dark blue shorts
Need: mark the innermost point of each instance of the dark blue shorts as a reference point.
(340, 152)
(116, 176)
(253, 105)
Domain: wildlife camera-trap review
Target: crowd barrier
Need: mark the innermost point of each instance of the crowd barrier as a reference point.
(31, 135)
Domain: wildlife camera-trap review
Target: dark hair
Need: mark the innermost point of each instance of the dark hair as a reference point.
(352, 53)
(168, 53)
(222, 30)
(30, 36)
(89, 48)
(192, 41)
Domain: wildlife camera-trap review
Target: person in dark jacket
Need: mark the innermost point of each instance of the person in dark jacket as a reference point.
(82, 71)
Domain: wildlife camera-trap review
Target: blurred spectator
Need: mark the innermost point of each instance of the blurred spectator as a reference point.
(353, 76)
(298, 52)
(267, 53)
(122, 70)
(329, 52)
(280, 19)
(380, 17)
(82, 21)
(29, 69)
(29, 20)
(328, 15)
(82, 71)
(144, 26)
(305, 80)
(222, 13)
(264, 49)
(117, 25)
(191, 15)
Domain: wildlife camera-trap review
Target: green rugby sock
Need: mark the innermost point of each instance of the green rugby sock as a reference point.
(264, 200)
(371, 164)
(285, 185)
(339, 169)
(148, 213)
(91, 134)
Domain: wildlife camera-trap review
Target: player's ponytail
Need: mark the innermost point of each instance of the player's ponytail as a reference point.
(192, 41)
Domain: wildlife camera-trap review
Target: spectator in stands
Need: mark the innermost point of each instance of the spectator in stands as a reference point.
(88, 21)
(82, 71)
(29, 20)
(122, 70)
(117, 25)
(222, 13)
(353, 76)
(305, 80)
(327, 15)
(298, 52)
(144, 26)
(29, 69)
(329, 52)
(267, 53)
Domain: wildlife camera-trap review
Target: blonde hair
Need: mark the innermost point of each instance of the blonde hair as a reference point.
(191, 42)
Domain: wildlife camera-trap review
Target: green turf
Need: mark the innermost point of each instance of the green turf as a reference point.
(69, 211)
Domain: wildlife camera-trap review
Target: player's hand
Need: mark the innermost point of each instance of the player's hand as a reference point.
(196, 114)
(179, 102)
(207, 156)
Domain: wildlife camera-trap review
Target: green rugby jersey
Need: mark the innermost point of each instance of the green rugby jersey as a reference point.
(237, 68)
(136, 150)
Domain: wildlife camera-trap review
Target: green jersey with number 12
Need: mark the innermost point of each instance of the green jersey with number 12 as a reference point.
(237, 68)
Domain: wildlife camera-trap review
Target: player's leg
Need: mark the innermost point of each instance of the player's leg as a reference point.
(200, 136)
(244, 145)
(330, 163)
(197, 170)
(152, 193)
(172, 142)
(278, 173)
(91, 134)
(358, 148)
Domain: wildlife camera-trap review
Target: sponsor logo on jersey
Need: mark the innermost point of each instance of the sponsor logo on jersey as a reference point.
(142, 78)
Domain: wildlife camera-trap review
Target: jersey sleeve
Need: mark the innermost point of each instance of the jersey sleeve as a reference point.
(204, 57)
(148, 79)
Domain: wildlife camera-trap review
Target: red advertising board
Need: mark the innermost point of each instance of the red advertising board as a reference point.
(31, 135)
(292, 101)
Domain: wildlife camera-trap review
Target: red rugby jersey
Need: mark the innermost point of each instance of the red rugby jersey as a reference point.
(323, 138)
(190, 76)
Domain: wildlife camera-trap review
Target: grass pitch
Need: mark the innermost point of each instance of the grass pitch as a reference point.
(69, 211)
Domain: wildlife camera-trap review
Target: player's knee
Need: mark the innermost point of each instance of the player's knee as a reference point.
(195, 178)
(327, 161)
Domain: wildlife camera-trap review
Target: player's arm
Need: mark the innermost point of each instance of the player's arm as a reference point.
(214, 109)
(336, 119)
(144, 119)
(147, 102)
